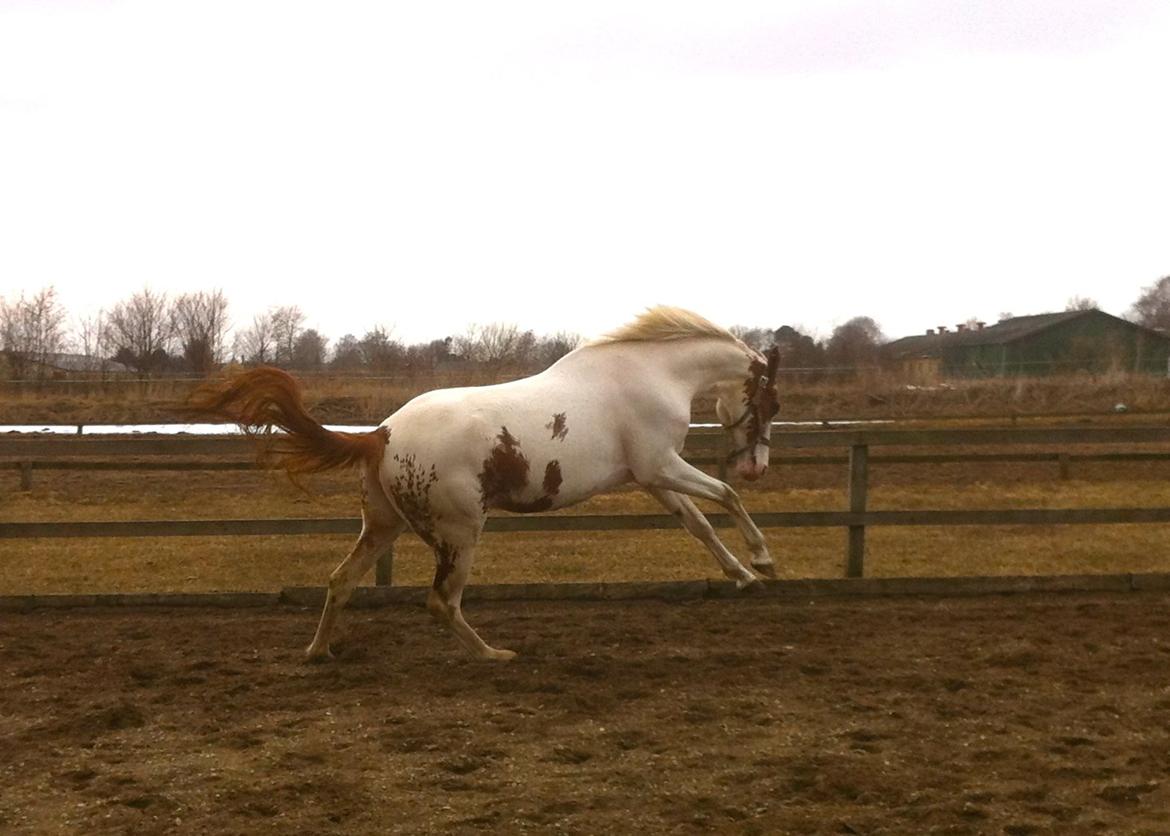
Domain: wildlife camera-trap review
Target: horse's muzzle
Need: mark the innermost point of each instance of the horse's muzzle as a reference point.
(750, 470)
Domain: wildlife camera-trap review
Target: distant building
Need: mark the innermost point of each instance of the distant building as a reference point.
(85, 363)
(1043, 344)
(61, 365)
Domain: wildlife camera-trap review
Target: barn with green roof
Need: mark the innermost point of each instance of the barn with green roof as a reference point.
(1043, 344)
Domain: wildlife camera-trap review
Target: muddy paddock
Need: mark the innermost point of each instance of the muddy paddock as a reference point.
(1013, 714)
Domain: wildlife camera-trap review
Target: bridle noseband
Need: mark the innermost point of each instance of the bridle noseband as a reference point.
(762, 441)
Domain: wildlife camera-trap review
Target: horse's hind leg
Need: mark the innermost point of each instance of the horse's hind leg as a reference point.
(454, 553)
(698, 526)
(381, 525)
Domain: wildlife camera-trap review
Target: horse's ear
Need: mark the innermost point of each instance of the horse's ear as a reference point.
(773, 362)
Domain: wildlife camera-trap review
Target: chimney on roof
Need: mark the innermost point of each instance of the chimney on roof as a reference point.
(942, 329)
(961, 327)
(930, 332)
(979, 326)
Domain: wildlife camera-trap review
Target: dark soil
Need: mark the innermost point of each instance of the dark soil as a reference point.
(1021, 714)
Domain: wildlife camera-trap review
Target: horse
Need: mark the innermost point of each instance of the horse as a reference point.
(613, 411)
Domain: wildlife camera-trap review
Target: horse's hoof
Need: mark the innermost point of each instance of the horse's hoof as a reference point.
(748, 584)
(768, 570)
(501, 655)
(316, 657)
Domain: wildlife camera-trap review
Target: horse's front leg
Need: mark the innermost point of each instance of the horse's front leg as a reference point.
(679, 476)
(698, 526)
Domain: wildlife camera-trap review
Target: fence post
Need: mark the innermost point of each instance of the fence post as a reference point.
(26, 476)
(721, 450)
(858, 485)
(384, 569)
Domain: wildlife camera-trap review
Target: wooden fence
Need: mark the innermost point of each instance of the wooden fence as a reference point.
(78, 452)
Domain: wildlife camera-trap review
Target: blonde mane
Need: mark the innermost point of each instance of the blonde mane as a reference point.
(662, 323)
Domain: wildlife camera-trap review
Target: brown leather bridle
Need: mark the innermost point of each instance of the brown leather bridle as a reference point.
(757, 403)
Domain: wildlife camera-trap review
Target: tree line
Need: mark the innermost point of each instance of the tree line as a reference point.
(152, 334)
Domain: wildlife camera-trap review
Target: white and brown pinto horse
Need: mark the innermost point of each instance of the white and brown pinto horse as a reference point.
(613, 411)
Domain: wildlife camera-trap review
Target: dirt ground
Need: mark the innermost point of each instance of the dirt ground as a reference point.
(1007, 714)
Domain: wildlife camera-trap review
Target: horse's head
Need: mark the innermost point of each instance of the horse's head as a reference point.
(746, 409)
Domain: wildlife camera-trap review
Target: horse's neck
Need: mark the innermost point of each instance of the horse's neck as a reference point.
(686, 367)
(702, 363)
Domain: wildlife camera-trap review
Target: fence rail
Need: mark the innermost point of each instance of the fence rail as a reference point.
(27, 455)
(856, 519)
(26, 467)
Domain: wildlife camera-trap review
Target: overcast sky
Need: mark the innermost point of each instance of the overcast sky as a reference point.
(427, 165)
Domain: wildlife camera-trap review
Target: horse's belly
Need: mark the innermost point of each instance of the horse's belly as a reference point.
(598, 482)
(557, 484)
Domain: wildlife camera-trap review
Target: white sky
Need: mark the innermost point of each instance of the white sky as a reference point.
(427, 165)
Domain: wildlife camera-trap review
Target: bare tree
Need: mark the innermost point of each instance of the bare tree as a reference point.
(140, 330)
(309, 350)
(379, 350)
(856, 343)
(200, 326)
(87, 333)
(1081, 303)
(1152, 309)
(524, 354)
(552, 348)
(429, 355)
(757, 338)
(91, 338)
(495, 345)
(288, 322)
(255, 343)
(347, 355)
(31, 330)
(797, 349)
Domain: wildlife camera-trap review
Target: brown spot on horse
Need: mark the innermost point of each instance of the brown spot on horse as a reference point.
(558, 426)
(505, 471)
(552, 478)
(445, 555)
(505, 474)
(411, 493)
